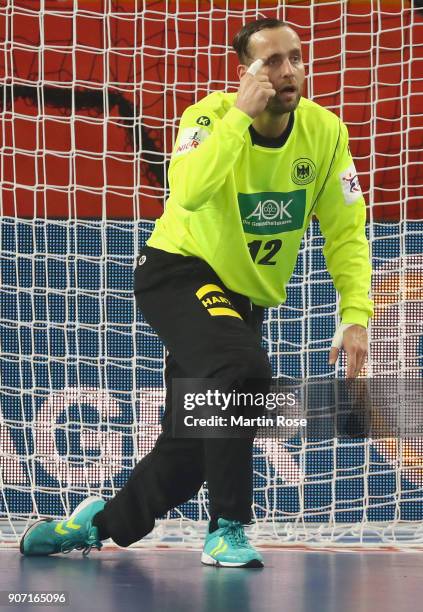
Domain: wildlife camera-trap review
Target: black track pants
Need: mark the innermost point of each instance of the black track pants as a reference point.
(177, 296)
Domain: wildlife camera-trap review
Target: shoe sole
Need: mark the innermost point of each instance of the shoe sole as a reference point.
(208, 560)
(27, 532)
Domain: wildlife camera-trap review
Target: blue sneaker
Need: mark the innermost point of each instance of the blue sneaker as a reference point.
(228, 546)
(48, 537)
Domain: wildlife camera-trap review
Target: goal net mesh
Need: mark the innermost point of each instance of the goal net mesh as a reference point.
(91, 92)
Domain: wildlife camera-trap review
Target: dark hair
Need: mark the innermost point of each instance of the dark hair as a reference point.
(242, 38)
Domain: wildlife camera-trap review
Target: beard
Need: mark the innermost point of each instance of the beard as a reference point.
(278, 106)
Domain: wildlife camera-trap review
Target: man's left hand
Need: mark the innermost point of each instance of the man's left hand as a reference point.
(354, 343)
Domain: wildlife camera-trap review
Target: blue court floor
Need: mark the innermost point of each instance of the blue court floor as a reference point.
(163, 580)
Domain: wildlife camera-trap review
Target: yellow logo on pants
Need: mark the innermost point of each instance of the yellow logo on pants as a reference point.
(216, 303)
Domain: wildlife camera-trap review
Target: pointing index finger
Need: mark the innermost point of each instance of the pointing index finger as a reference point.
(255, 67)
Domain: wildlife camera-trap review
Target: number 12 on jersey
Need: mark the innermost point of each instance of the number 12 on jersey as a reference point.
(264, 251)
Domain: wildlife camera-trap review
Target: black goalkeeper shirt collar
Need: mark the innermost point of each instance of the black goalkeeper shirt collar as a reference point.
(273, 143)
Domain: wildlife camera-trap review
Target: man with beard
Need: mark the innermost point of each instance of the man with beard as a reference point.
(247, 172)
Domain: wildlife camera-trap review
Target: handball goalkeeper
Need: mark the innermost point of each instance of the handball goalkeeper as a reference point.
(247, 173)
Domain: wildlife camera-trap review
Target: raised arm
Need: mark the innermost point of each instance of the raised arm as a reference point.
(207, 146)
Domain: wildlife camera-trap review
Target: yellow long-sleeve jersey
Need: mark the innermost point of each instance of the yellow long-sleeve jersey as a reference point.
(244, 208)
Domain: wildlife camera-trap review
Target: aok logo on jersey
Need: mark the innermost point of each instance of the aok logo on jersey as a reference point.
(272, 212)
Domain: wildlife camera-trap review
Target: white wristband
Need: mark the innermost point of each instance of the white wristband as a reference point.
(255, 67)
(339, 334)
